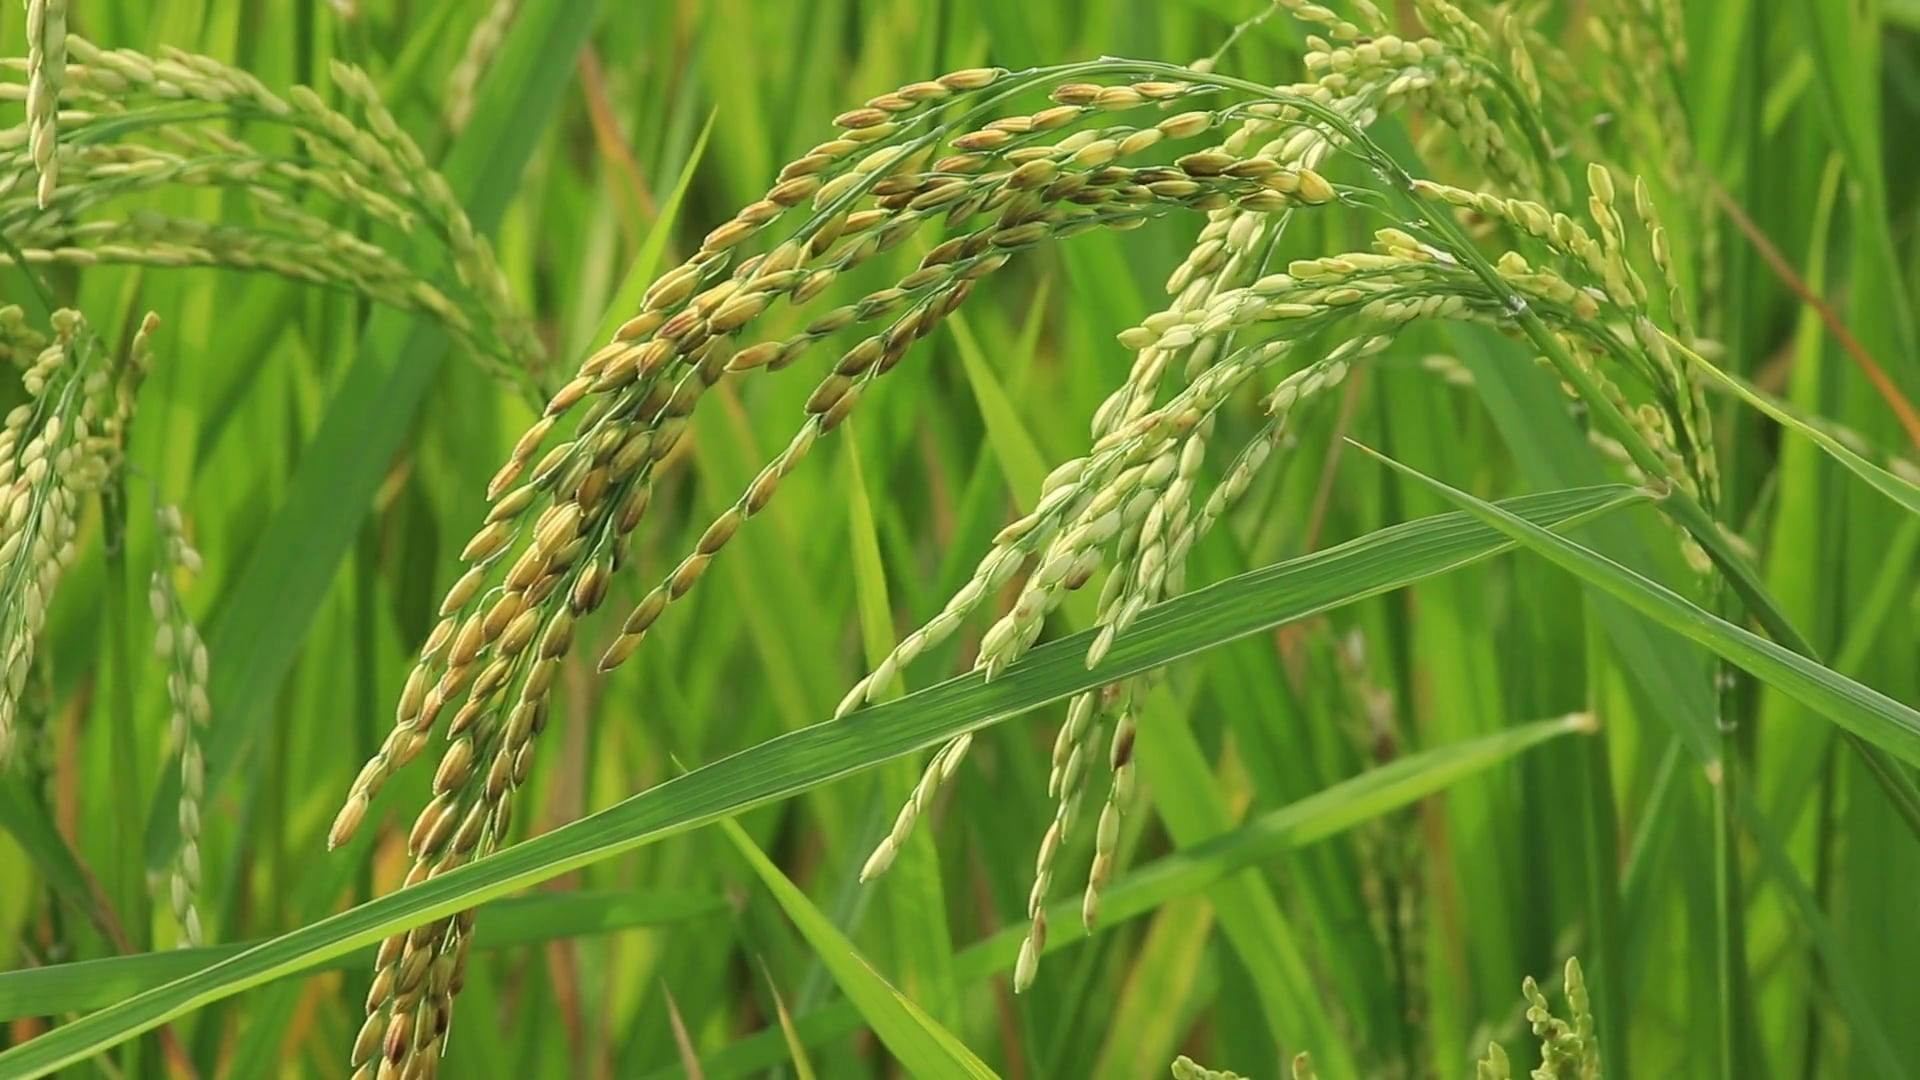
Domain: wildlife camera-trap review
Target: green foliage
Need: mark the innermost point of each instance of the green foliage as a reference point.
(1294, 790)
(1569, 1049)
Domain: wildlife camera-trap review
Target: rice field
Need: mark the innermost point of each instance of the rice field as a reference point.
(708, 538)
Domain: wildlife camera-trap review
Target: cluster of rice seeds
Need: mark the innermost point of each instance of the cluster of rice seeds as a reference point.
(59, 446)
(1569, 1049)
(1404, 281)
(321, 255)
(503, 656)
(551, 541)
(471, 254)
(1220, 256)
(371, 168)
(634, 397)
(1150, 552)
(185, 154)
(483, 44)
(1688, 396)
(1598, 275)
(1152, 571)
(1022, 196)
(523, 626)
(1185, 1068)
(20, 342)
(1233, 233)
(1453, 84)
(1358, 79)
(1644, 44)
(46, 65)
(1083, 506)
(1150, 534)
(1086, 505)
(178, 645)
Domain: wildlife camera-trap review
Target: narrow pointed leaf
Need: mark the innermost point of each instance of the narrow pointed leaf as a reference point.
(1862, 710)
(784, 766)
(913, 1037)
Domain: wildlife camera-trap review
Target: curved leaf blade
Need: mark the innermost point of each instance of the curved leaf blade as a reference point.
(916, 1039)
(799, 760)
(1891, 484)
(1324, 814)
(1858, 708)
(58, 989)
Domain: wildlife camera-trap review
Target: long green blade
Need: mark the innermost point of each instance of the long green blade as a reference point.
(916, 1039)
(1892, 485)
(26, 821)
(1189, 871)
(781, 767)
(522, 920)
(1862, 710)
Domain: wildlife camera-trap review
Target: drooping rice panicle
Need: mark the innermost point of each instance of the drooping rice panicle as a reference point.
(46, 68)
(177, 642)
(59, 446)
(1398, 254)
(563, 510)
(1499, 212)
(1360, 78)
(1568, 1048)
(482, 44)
(369, 167)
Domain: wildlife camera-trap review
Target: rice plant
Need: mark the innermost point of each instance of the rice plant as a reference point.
(1440, 472)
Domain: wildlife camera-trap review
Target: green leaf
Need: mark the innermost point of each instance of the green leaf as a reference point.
(1020, 459)
(527, 920)
(640, 275)
(916, 899)
(27, 821)
(913, 1037)
(1892, 485)
(1860, 709)
(797, 761)
(796, 1047)
(1191, 870)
